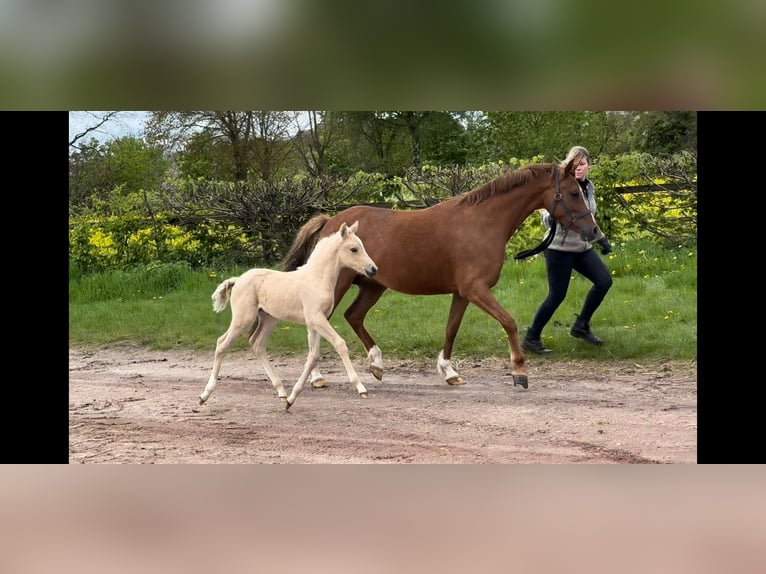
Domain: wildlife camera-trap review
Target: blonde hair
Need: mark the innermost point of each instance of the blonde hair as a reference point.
(577, 152)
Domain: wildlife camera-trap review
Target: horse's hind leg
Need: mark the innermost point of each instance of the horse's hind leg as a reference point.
(258, 340)
(443, 365)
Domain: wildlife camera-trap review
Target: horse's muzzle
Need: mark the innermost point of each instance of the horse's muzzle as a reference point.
(371, 270)
(591, 235)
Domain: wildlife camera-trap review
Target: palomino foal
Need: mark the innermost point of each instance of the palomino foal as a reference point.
(262, 297)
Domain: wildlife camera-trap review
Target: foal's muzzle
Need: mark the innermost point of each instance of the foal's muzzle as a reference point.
(370, 270)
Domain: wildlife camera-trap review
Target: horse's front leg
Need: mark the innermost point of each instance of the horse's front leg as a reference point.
(443, 364)
(369, 293)
(487, 303)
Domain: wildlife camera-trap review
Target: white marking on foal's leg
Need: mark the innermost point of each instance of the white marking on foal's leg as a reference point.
(375, 355)
(444, 367)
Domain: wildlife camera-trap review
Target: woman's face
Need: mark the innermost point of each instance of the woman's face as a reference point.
(581, 171)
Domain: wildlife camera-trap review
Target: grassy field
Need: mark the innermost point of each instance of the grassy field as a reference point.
(650, 313)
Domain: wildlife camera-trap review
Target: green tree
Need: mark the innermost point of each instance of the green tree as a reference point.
(532, 134)
(118, 168)
(257, 142)
(666, 133)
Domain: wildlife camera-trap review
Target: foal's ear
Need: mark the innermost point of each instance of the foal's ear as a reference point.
(355, 226)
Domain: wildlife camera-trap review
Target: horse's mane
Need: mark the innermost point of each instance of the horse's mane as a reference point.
(506, 182)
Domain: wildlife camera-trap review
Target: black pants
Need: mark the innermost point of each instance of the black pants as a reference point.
(559, 265)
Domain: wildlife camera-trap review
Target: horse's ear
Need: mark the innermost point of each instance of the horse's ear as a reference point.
(343, 229)
(570, 167)
(355, 226)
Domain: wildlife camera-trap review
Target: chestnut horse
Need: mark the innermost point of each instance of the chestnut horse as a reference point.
(262, 297)
(456, 246)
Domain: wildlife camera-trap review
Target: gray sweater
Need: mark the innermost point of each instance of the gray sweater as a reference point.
(573, 241)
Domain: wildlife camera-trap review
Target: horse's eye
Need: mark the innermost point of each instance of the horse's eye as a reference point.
(354, 249)
(575, 194)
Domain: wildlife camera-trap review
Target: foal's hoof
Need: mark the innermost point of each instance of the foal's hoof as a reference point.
(455, 381)
(363, 395)
(288, 404)
(201, 400)
(319, 383)
(377, 372)
(520, 380)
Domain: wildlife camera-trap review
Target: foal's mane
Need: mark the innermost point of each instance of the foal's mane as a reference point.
(319, 247)
(506, 183)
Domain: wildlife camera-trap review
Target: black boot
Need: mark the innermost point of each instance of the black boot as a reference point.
(581, 330)
(534, 345)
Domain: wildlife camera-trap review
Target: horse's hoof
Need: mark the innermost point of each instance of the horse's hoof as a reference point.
(454, 381)
(288, 404)
(520, 380)
(377, 372)
(363, 395)
(201, 401)
(283, 398)
(319, 383)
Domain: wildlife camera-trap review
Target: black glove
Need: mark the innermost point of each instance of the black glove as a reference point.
(606, 249)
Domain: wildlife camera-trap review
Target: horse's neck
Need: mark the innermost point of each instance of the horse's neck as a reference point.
(514, 205)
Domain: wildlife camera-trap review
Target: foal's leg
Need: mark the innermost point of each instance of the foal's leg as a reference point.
(345, 280)
(311, 359)
(456, 312)
(238, 326)
(321, 326)
(324, 328)
(258, 341)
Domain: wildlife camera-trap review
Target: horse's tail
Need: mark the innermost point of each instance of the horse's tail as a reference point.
(304, 242)
(222, 293)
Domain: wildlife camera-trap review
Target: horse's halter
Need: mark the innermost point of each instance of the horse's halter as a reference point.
(558, 198)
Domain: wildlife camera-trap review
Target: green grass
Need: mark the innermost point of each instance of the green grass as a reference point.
(650, 313)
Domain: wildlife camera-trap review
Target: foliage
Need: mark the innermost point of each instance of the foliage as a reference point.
(203, 222)
(666, 210)
(124, 166)
(206, 187)
(97, 244)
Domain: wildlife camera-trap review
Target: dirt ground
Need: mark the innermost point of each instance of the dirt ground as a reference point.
(130, 405)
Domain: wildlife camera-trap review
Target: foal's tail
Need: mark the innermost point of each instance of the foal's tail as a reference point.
(222, 293)
(304, 243)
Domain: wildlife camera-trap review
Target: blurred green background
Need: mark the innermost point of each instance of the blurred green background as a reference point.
(301, 54)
